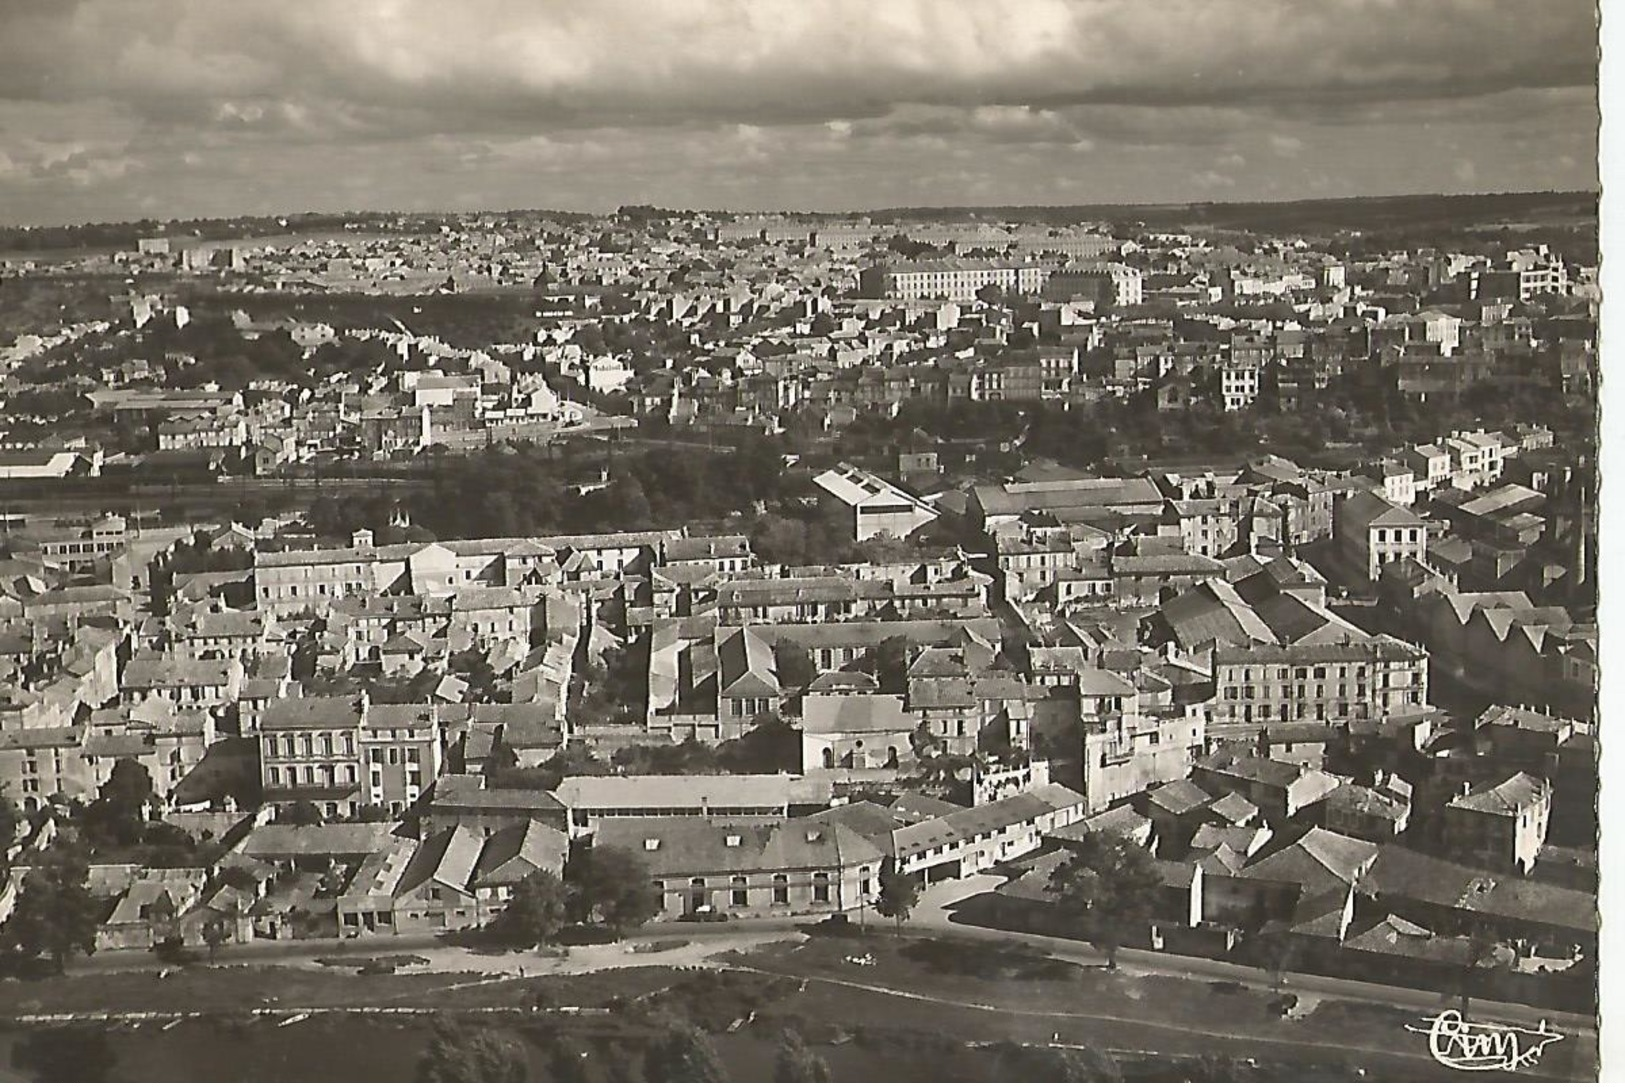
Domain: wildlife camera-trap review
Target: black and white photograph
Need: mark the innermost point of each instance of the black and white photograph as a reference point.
(804, 540)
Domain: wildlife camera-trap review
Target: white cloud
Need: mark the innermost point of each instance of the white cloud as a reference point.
(216, 105)
(500, 64)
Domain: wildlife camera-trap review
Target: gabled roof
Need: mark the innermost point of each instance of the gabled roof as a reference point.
(447, 857)
(689, 791)
(683, 846)
(1319, 861)
(912, 807)
(1234, 808)
(855, 713)
(326, 840)
(515, 852)
(1406, 874)
(869, 820)
(1179, 797)
(1366, 508)
(967, 823)
(1516, 794)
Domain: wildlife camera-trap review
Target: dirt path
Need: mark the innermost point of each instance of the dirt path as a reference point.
(1364, 1050)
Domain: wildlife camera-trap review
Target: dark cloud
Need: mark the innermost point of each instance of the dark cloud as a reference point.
(471, 85)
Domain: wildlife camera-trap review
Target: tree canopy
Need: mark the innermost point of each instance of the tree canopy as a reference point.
(70, 1053)
(535, 913)
(1110, 885)
(899, 893)
(118, 815)
(611, 885)
(56, 915)
(684, 1054)
(457, 1053)
(796, 1063)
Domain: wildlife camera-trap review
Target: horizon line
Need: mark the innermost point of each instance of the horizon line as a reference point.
(895, 208)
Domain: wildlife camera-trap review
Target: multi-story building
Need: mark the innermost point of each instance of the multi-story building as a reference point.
(594, 803)
(1358, 680)
(1429, 465)
(953, 279)
(1239, 383)
(288, 582)
(972, 840)
(706, 866)
(1373, 532)
(82, 550)
(341, 753)
(1128, 748)
(45, 762)
(202, 431)
(1501, 826)
(181, 682)
(1110, 283)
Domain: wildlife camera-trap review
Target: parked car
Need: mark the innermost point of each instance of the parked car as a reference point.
(704, 913)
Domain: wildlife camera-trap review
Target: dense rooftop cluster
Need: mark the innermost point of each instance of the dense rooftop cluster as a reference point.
(931, 550)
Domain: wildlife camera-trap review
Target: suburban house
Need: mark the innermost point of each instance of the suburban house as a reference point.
(1500, 826)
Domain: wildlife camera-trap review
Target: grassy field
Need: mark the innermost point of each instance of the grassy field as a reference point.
(991, 992)
(920, 1012)
(242, 989)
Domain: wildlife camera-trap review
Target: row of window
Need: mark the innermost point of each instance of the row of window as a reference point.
(739, 888)
(1233, 693)
(310, 744)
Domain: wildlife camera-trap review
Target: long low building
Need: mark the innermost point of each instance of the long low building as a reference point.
(966, 842)
(800, 866)
(594, 801)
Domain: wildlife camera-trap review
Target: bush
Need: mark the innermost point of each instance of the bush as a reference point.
(715, 999)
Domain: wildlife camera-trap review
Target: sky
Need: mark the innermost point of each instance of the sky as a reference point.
(125, 109)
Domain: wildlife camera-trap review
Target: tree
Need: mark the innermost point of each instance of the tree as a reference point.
(301, 813)
(567, 1063)
(74, 1052)
(899, 893)
(795, 1063)
(923, 741)
(1110, 885)
(215, 934)
(11, 822)
(684, 1054)
(535, 913)
(1481, 945)
(119, 812)
(459, 1054)
(620, 1064)
(891, 665)
(772, 746)
(56, 915)
(609, 883)
(794, 666)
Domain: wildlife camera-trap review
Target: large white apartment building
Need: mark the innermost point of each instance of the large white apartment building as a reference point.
(954, 280)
